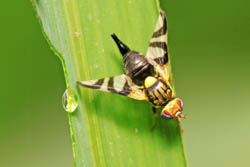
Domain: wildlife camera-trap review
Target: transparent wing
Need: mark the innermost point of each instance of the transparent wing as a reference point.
(157, 53)
(121, 84)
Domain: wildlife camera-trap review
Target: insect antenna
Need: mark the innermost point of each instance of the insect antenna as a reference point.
(122, 47)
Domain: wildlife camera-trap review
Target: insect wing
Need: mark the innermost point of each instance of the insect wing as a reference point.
(157, 53)
(121, 84)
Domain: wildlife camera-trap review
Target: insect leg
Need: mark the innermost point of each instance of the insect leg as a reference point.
(156, 118)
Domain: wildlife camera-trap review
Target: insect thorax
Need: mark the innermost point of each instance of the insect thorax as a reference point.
(159, 94)
(137, 67)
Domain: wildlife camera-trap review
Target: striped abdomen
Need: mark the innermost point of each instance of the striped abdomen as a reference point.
(159, 94)
(137, 67)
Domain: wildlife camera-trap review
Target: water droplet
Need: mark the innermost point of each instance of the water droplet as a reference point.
(69, 100)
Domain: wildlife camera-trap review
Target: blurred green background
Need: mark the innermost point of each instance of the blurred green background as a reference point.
(209, 45)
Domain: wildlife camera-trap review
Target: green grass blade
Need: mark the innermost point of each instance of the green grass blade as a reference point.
(107, 129)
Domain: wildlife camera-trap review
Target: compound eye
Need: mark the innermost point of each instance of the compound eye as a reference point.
(167, 114)
(180, 103)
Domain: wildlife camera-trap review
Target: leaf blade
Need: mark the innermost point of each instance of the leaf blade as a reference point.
(107, 128)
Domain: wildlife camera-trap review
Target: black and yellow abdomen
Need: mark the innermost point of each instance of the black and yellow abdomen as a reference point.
(157, 91)
(137, 67)
(136, 64)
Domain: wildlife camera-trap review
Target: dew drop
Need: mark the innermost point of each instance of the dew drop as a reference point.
(69, 100)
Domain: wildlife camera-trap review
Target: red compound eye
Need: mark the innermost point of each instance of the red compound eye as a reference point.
(167, 114)
(180, 103)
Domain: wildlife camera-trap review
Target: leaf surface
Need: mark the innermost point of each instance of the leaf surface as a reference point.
(108, 129)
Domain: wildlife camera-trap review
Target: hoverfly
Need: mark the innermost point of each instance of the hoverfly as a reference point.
(147, 77)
